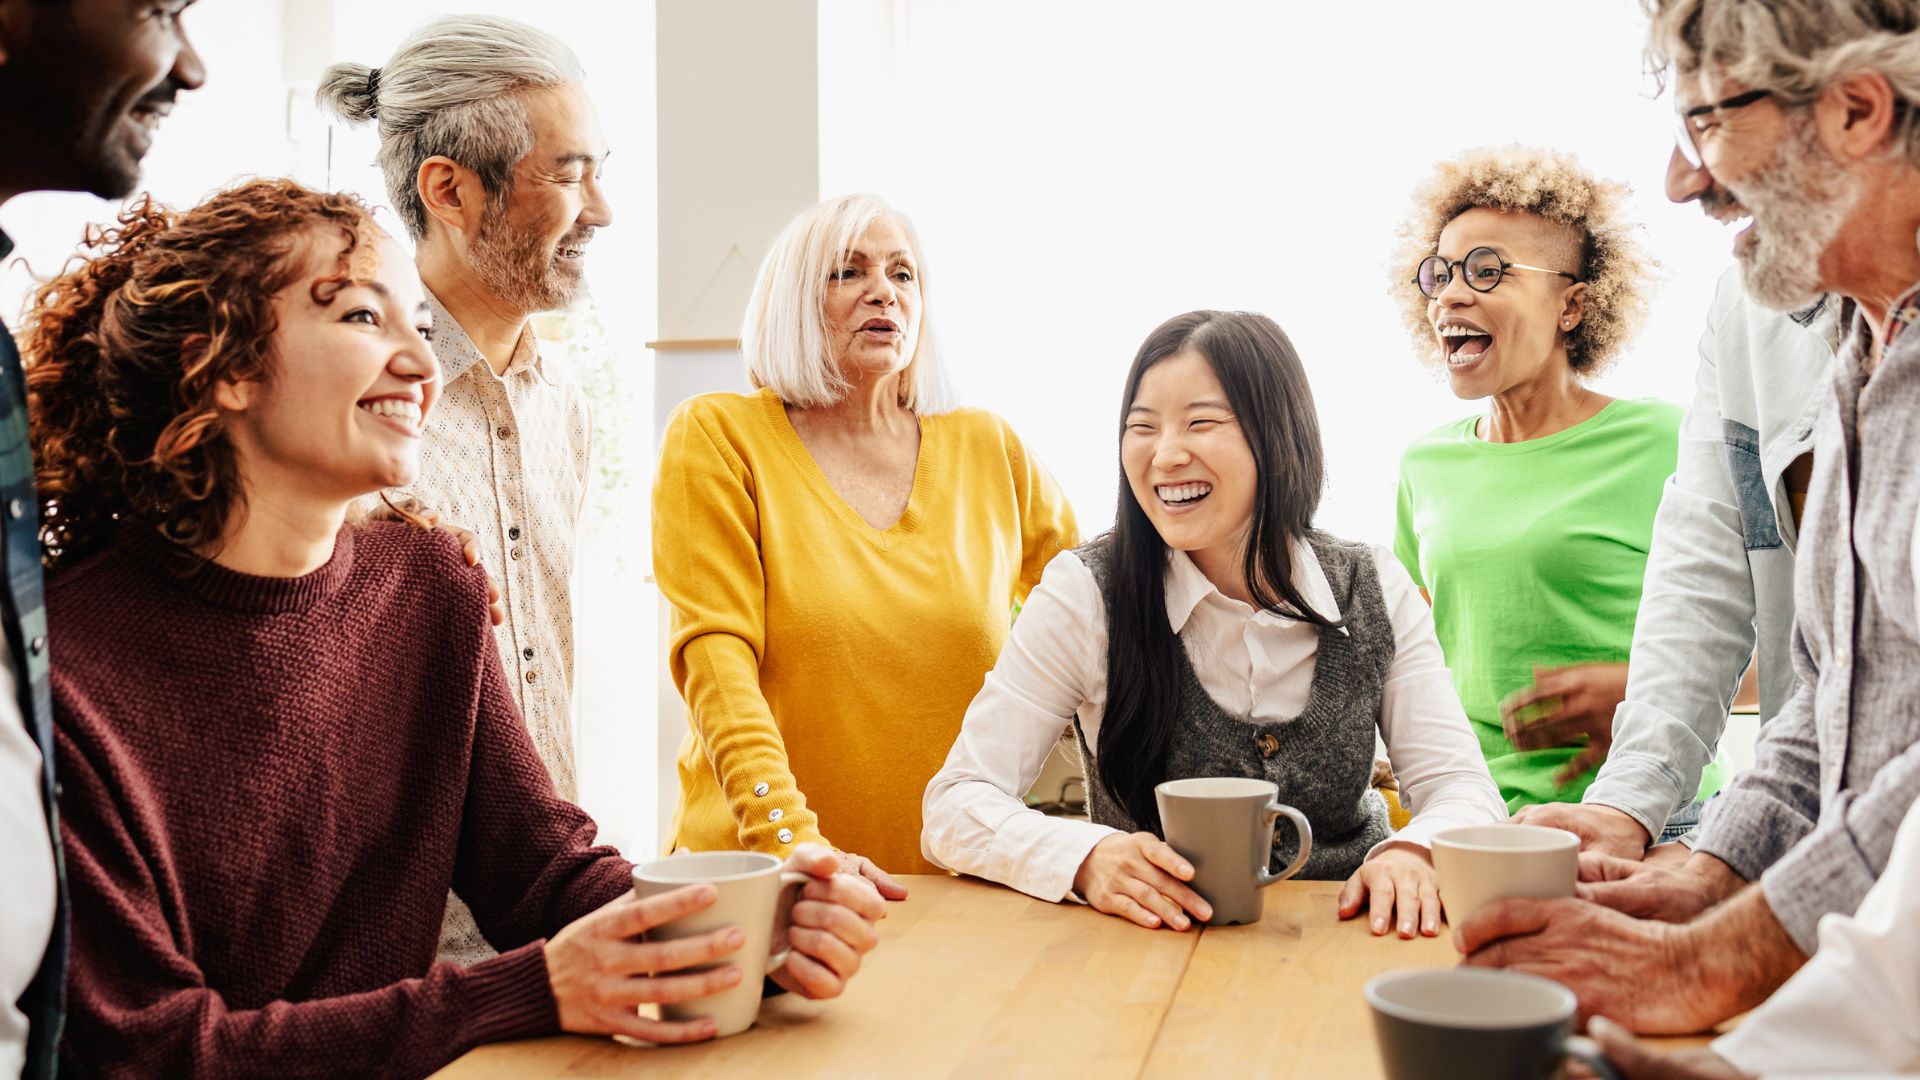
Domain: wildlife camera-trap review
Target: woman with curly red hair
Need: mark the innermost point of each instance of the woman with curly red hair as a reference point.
(283, 737)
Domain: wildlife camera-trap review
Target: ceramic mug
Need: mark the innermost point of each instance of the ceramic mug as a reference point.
(1224, 826)
(750, 886)
(1476, 1024)
(1481, 863)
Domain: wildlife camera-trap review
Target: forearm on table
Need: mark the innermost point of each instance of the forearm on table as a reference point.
(719, 678)
(1741, 954)
(407, 1029)
(975, 827)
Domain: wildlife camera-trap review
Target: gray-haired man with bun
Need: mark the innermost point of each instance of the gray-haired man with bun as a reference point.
(492, 153)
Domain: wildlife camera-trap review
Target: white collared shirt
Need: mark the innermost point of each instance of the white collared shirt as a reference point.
(1253, 663)
(27, 886)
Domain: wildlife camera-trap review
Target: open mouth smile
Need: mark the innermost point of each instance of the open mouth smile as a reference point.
(1181, 496)
(403, 414)
(1464, 343)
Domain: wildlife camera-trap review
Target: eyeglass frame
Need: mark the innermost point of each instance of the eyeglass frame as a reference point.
(1684, 135)
(1462, 264)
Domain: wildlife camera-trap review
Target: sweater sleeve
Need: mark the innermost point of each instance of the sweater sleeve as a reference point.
(706, 558)
(140, 1006)
(1047, 525)
(527, 865)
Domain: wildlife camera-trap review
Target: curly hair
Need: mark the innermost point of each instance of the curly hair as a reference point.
(1553, 186)
(1795, 48)
(125, 349)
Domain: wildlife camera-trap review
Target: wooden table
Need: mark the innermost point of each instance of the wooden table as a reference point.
(973, 979)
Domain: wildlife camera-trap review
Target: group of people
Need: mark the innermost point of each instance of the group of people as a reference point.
(288, 778)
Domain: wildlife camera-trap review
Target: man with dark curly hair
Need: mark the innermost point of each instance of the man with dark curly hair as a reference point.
(1806, 114)
(83, 85)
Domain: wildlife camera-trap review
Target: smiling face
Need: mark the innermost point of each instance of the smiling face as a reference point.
(1187, 461)
(873, 304)
(84, 93)
(530, 249)
(352, 380)
(1516, 333)
(1767, 168)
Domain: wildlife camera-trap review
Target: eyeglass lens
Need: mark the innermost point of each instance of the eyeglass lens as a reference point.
(1482, 267)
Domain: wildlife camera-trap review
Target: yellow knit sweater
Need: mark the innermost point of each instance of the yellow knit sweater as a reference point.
(826, 664)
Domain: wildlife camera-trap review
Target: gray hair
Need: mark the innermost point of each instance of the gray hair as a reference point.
(1796, 48)
(452, 90)
(784, 335)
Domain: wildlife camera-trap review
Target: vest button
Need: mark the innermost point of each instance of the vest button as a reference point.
(1267, 745)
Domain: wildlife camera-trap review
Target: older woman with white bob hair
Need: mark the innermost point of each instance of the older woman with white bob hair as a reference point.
(843, 554)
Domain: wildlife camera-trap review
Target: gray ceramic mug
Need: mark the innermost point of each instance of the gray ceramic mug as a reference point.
(1476, 1024)
(1224, 827)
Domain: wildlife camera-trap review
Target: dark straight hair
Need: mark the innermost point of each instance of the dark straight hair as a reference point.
(1267, 390)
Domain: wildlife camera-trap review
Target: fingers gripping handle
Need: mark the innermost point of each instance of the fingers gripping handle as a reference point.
(1275, 811)
(783, 913)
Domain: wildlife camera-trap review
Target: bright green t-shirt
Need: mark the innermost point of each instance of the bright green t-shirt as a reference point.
(1534, 553)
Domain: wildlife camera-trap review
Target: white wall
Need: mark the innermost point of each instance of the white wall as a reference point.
(1080, 173)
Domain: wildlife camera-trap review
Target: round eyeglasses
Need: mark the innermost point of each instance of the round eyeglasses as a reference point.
(1483, 268)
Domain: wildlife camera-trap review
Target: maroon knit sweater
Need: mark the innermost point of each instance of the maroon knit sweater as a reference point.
(270, 785)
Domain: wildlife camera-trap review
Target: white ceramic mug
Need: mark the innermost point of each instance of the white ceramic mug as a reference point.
(1482, 863)
(750, 886)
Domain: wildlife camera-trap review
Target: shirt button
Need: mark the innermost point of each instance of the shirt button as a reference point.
(532, 675)
(527, 653)
(15, 508)
(1267, 745)
(503, 431)
(776, 814)
(760, 789)
(513, 532)
(785, 835)
(39, 645)
(514, 554)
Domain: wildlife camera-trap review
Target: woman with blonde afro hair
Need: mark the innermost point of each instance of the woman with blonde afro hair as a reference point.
(1528, 523)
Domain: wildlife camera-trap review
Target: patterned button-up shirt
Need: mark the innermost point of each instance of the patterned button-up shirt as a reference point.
(24, 613)
(507, 457)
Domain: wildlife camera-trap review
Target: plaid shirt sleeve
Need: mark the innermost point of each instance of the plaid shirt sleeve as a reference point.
(25, 618)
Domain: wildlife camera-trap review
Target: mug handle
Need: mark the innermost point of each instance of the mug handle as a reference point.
(1587, 1052)
(1273, 812)
(789, 879)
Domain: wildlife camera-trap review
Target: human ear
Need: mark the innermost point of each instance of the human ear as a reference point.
(235, 396)
(1573, 306)
(451, 193)
(1855, 115)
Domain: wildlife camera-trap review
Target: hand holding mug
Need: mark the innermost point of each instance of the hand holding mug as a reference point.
(832, 925)
(601, 973)
(863, 867)
(1138, 876)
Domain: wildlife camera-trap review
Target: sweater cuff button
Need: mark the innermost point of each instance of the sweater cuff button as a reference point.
(785, 835)
(760, 790)
(776, 814)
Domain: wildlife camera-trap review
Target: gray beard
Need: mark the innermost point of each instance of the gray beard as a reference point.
(1799, 200)
(519, 267)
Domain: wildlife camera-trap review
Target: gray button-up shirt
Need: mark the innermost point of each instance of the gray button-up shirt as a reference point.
(1834, 774)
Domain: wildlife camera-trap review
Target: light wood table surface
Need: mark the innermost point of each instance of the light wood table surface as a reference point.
(973, 979)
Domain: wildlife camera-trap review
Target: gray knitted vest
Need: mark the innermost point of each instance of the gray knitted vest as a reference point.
(1322, 759)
